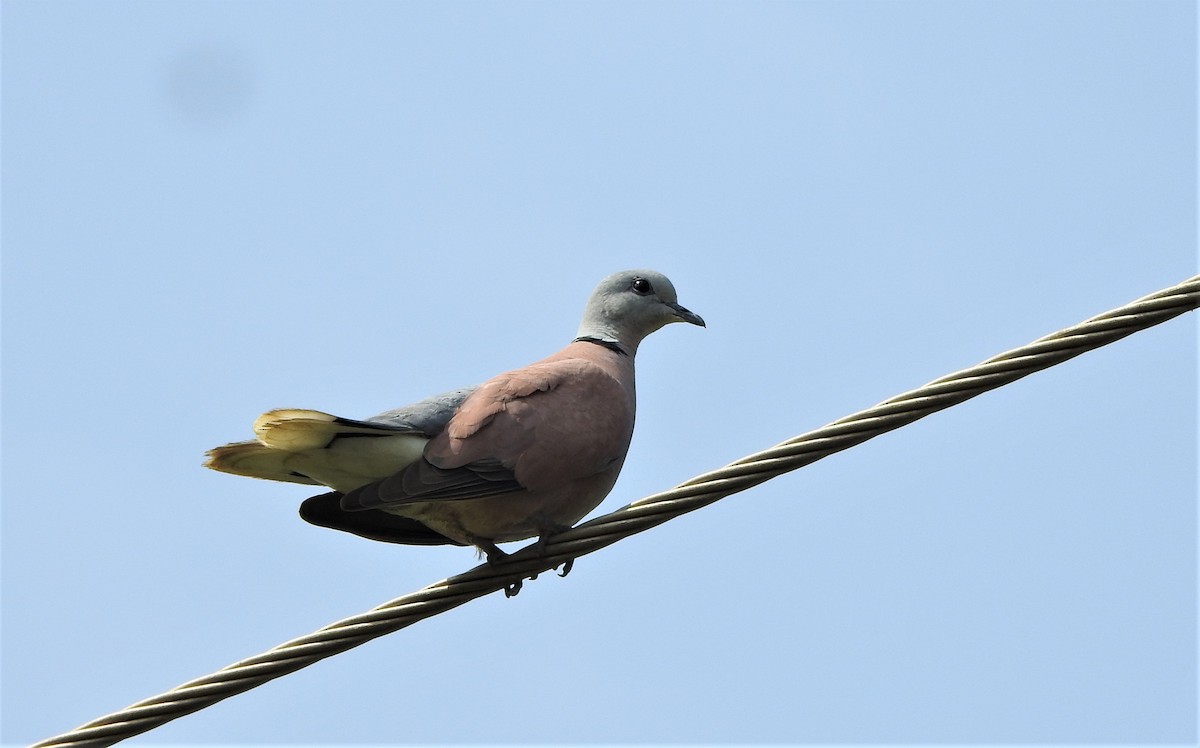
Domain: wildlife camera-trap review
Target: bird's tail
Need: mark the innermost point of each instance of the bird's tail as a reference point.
(255, 460)
(315, 448)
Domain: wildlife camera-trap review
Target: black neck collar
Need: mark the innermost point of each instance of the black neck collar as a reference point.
(603, 343)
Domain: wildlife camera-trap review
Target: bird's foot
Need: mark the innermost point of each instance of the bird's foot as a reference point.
(495, 557)
(547, 530)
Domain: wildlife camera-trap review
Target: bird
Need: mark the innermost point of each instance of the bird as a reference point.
(527, 453)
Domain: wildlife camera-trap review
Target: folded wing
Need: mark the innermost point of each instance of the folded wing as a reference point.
(536, 428)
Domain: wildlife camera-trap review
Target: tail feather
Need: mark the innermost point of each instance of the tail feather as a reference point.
(255, 460)
(297, 430)
(315, 448)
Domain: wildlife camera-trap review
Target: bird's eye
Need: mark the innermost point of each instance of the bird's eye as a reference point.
(642, 286)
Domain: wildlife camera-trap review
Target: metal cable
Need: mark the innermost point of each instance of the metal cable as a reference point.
(637, 517)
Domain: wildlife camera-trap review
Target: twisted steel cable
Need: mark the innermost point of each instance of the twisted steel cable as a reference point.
(637, 517)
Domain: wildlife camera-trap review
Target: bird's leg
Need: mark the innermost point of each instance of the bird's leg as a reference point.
(490, 550)
(494, 557)
(547, 530)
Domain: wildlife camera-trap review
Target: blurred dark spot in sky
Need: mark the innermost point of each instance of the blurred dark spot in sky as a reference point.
(209, 84)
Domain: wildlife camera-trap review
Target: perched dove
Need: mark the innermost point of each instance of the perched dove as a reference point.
(528, 452)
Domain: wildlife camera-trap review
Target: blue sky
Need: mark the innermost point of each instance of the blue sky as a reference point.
(213, 209)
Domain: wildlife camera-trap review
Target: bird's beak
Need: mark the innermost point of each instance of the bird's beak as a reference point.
(687, 316)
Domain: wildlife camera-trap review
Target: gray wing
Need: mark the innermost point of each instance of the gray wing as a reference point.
(422, 481)
(429, 416)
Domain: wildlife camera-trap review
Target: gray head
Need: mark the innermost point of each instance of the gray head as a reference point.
(629, 305)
